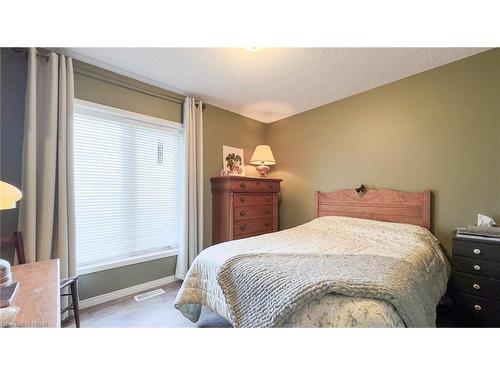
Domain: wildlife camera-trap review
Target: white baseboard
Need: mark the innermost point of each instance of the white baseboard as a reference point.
(126, 292)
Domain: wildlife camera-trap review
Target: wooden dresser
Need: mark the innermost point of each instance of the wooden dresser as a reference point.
(476, 282)
(243, 207)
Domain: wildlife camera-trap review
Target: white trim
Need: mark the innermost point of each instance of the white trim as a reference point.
(126, 114)
(83, 270)
(93, 301)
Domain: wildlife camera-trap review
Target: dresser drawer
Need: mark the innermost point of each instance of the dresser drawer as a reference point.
(255, 185)
(252, 199)
(242, 228)
(254, 212)
(241, 236)
(478, 309)
(477, 285)
(476, 267)
(476, 250)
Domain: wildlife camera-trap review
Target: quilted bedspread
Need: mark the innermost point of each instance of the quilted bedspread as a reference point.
(330, 272)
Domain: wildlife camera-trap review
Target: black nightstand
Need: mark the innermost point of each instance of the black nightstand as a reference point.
(475, 283)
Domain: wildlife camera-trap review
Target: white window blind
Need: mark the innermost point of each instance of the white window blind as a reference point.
(128, 186)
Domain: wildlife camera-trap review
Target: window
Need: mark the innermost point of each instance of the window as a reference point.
(128, 186)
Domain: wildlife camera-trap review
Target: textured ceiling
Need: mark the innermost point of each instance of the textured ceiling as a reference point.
(272, 83)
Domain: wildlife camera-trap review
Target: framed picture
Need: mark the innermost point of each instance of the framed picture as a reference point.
(233, 163)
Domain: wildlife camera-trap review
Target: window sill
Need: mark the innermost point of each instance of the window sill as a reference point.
(126, 262)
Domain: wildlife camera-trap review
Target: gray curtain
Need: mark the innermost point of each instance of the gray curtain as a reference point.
(192, 232)
(46, 216)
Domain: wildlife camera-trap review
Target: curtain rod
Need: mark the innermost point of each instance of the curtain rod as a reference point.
(39, 53)
(117, 82)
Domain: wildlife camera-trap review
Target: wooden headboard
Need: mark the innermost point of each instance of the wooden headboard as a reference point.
(383, 204)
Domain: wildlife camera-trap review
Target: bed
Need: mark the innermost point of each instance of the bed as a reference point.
(368, 259)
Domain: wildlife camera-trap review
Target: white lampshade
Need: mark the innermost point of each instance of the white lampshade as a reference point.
(263, 156)
(9, 195)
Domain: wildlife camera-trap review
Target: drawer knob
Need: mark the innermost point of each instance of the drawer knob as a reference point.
(476, 286)
(242, 227)
(267, 225)
(243, 185)
(477, 267)
(267, 211)
(268, 199)
(242, 213)
(270, 186)
(477, 251)
(257, 183)
(478, 307)
(242, 199)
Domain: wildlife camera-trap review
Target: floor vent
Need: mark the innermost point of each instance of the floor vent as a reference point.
(151, 294)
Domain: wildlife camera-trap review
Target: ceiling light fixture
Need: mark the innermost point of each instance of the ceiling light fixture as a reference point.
(253, 49)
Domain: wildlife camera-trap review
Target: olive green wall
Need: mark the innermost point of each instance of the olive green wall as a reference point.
(220, 128)
(437, 130)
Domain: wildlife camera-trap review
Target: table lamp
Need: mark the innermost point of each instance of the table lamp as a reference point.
(9, 195)
(263, 157)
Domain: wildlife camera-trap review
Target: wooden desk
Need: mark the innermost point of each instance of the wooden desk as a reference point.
(37, 295)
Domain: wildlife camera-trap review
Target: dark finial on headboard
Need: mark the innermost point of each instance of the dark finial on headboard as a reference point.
(361, 189)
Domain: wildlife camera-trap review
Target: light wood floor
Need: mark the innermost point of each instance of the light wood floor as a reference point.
(158, 311)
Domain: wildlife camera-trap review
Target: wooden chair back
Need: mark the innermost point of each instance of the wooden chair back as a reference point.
(16, 241)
